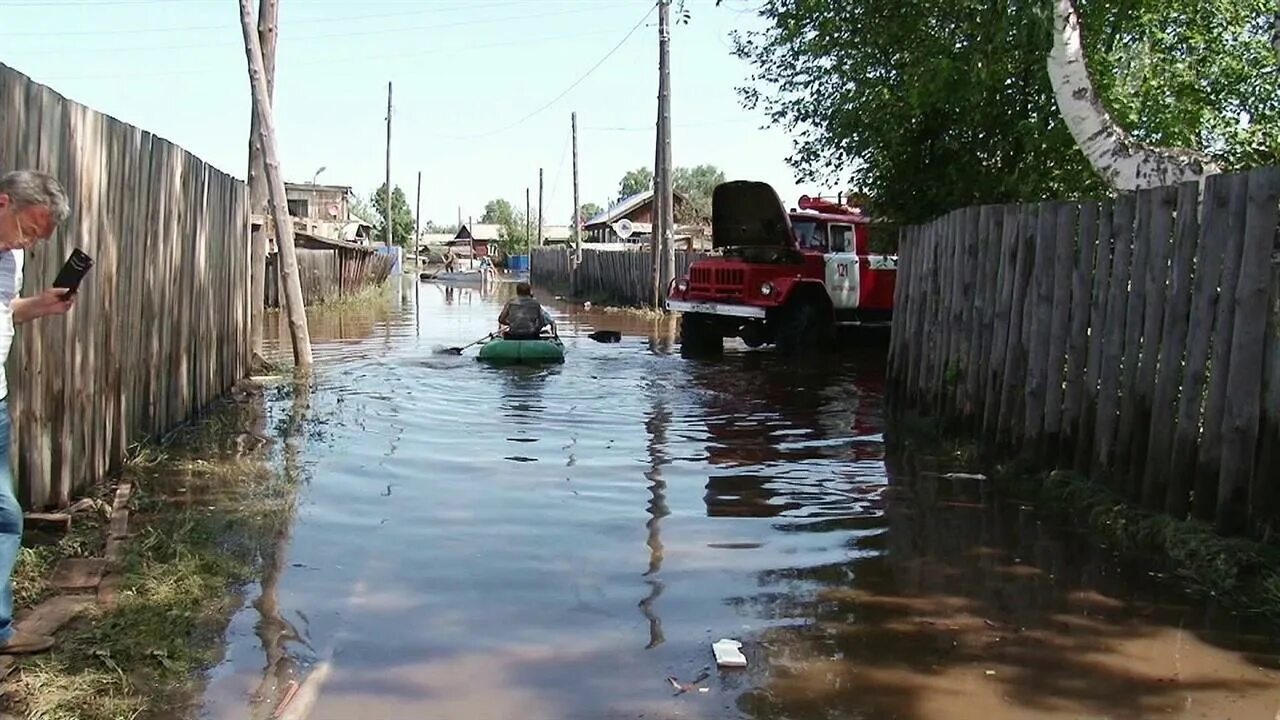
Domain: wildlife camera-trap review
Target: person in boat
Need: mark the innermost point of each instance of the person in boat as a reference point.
(523, 317)
(450, 260)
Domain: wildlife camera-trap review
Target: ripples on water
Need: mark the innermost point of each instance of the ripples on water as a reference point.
(554, 542)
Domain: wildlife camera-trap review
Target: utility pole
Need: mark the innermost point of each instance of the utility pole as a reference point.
(655, 228)
(298, 331)
(577, 224)
(417, 225)
(268, 14)
(388, 165)
(667, 219)
(539, 214)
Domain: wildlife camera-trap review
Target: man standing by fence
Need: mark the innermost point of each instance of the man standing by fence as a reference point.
(32, 205)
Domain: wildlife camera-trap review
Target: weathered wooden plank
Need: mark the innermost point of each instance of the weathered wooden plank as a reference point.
(1264, 496)
(1113, 335)
(1011, 399)
(1041, 301)
(1156, 276)
(1099, 296)
(1173, 339)
(1000, 323)
(1135, 315)
(1077, 350)
(977, 312)
(988, 278)
(965, 340)
(1243, 410)
(1210, 462)
(1059, 323)
(1209, 260)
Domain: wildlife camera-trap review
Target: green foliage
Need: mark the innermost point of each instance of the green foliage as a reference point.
(930, 106)
(586, 211)
(696, 185)
(516, 234)
(401, 217)
(635, 181)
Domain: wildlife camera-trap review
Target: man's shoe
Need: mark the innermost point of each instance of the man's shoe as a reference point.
(26, 644)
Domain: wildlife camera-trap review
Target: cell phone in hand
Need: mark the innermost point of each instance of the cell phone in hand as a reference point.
(73, 271)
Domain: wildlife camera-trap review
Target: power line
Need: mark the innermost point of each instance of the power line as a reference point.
(330, 60)
(224, 26)
(649, 128)
(342, 34)
(572, 85)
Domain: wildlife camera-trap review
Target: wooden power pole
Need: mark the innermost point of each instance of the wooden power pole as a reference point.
(528, 231)
(275, 189)
(667, 218)
(417, 224)
(388, 166)
(655, 229)
(268, 13)
(540, 236)
(577, 221)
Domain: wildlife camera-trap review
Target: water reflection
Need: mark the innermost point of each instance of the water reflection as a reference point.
(656, 442)
(547, 524)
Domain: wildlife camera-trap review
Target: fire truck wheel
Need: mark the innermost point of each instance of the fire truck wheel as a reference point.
(801, 329)
(699, 336)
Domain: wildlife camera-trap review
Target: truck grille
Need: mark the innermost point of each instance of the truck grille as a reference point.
(724, 281)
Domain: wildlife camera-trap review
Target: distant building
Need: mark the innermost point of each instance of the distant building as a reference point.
(324, 211)
(637, 209)
(556, 235)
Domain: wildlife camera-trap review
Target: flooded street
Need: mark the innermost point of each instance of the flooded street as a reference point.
(554, 543)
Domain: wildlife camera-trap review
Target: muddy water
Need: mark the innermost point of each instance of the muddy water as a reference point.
(555, 543)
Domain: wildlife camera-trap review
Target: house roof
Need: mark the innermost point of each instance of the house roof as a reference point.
(312, 188)
(482, 232)
(557, 232)
(624, 207)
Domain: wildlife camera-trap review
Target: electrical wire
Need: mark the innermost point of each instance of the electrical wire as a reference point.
(310, 36)
(224, 26)
(572, 85)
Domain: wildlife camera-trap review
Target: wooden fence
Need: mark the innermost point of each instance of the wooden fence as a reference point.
(330, 273)
(1136, 339)
(160, 326)
(621, 277)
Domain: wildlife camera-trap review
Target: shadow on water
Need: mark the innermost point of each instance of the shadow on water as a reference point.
(560, 540)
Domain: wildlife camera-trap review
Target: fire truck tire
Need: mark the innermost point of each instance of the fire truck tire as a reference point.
(699, 336)
(801, 329)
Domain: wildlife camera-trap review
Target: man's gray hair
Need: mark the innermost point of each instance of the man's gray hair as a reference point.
(32, 187)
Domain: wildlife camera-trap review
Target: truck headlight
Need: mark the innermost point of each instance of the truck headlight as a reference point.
(766, 289)
(682, 285)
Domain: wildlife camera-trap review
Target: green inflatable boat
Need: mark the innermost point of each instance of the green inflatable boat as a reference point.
(522, 352)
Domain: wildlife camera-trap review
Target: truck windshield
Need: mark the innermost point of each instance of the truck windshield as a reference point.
(807, 236)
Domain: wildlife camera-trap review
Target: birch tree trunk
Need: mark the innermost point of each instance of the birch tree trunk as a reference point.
(1123, 162)
(268, 13)
(275, 189)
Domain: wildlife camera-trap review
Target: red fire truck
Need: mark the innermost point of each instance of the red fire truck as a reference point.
(788, 278)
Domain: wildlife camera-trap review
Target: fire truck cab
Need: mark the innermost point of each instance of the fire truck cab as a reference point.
(787, 278)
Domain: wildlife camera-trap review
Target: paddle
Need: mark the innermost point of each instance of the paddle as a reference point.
(458, 350)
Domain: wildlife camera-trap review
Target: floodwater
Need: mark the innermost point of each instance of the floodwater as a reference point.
(555, 543)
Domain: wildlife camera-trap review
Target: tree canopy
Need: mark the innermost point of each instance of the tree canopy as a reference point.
(928, 106)
(586, 211)
(515, 234)
(695, 184)
(401, 216)
(635, 181)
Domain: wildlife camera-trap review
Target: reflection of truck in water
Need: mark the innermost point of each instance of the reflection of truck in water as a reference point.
(784, 278)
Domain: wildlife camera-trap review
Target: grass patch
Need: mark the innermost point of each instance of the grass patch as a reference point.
(376, 297)
(204, 509)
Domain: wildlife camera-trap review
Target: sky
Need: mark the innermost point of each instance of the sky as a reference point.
(482, 90)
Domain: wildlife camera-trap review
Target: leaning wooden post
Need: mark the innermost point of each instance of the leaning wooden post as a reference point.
(275, 188)
(268, 12)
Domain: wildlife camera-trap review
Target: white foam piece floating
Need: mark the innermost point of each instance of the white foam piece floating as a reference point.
(728, 653)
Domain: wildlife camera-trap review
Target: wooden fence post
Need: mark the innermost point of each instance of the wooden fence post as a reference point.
(1065, 233)
(1078, 332)
(1173, 341)
(1209, 467)
(1113, 336)
(1041, 308)
(1242, 412)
